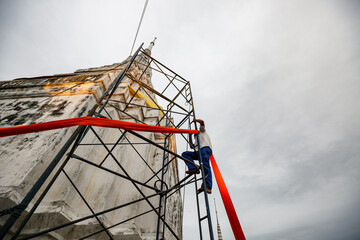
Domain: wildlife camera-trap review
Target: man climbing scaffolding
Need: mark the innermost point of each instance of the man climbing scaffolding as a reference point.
(206, 152)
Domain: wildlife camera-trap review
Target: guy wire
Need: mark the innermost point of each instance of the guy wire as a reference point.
(137, 31)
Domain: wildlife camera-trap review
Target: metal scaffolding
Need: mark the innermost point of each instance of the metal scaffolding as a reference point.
(178, 113)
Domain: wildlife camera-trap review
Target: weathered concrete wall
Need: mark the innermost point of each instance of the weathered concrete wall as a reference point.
(24, 157)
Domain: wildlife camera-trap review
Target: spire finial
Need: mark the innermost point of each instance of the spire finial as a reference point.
(151, 44)
(149, 48)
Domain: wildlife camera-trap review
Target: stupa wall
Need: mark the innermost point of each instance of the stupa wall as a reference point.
(24, 157)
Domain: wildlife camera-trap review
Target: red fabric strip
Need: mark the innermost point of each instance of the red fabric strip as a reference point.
(229, 207)
(90, 121)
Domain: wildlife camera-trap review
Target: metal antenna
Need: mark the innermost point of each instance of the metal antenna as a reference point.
(218, 225)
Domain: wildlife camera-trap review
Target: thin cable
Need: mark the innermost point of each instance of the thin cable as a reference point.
(142, 16)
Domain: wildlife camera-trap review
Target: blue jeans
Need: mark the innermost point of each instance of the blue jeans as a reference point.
(206, 153)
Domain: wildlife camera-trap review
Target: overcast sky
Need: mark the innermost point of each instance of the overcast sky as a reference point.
(276, 81)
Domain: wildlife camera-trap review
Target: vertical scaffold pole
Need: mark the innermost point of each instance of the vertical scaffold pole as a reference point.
(162, 197)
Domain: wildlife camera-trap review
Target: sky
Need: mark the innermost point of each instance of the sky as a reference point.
(276, 81)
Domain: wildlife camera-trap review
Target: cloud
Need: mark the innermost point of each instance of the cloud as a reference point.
(292, 125)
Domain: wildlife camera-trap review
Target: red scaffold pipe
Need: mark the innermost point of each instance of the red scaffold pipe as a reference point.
(89, 121)
(229, 207)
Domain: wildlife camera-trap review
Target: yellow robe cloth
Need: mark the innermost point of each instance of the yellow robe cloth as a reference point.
(148, 101)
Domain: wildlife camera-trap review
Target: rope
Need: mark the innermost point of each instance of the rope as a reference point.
(137, 31)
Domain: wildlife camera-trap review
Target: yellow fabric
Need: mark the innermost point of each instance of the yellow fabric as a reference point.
(148, 101)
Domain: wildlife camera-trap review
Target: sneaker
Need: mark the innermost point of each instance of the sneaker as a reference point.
(193, 171)
(200, 190)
